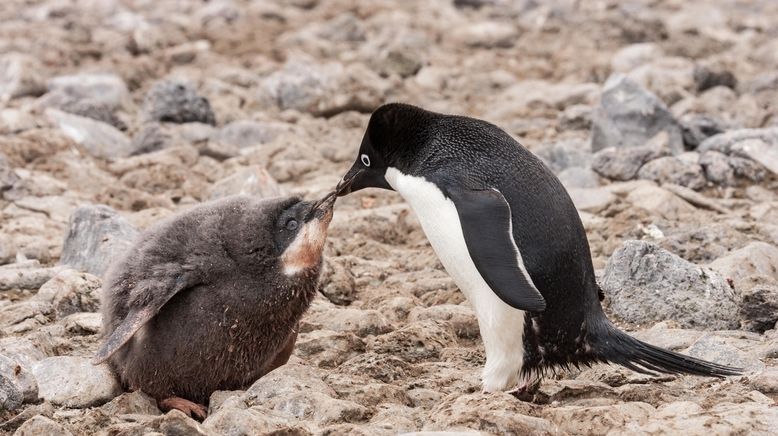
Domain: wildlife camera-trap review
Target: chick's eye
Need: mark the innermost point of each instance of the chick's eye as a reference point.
(291, 224)
(365, 160)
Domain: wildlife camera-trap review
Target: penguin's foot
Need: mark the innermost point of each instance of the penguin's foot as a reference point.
(527, 389)
(193, 410)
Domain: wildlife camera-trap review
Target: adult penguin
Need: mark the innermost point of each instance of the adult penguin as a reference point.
(509, 235)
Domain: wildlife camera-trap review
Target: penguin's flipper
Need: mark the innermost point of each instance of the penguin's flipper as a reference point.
(485, 217)
(139, 314)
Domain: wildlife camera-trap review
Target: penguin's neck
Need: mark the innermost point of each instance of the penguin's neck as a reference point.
(501, 325)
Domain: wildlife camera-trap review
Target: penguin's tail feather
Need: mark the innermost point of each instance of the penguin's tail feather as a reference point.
(614, 346)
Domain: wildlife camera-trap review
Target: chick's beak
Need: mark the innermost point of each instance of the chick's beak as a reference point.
(322, 209)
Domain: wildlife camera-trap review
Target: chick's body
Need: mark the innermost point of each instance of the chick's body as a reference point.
(220, 308)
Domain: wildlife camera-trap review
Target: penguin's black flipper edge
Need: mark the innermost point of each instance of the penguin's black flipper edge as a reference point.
(137, 317)
(485, 218)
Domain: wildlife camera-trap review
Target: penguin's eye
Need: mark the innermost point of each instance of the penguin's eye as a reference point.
(291, 224)
(365, 160)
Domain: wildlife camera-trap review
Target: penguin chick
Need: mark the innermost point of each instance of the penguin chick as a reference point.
(210, 299)
(509, 235)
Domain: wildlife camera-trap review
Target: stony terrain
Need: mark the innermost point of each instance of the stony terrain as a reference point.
(660, 116)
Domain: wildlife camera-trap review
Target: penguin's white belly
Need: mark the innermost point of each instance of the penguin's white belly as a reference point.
(501, 326)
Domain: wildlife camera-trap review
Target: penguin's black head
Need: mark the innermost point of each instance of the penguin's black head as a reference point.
(394, 135)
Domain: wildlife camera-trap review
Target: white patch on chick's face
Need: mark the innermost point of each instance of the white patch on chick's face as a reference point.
(305, 250)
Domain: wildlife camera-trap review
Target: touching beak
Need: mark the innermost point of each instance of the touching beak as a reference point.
(344, 186)
(358, 178)
(322, 209)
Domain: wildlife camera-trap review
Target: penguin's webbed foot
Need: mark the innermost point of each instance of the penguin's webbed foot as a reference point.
(527, 390)
(193, 410)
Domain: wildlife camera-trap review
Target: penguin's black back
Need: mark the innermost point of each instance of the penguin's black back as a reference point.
(573, 329)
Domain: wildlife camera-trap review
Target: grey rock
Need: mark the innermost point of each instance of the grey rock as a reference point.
(74, 382)
(177, 423)
(747, 169)
(591, 199)
(20, 376)
(695, 198)
(253, 180)
(247, 133)
(724, 170)
(758, 307)
(95, 111)
(724, 142)
(97, 234)
(624, 163)
(298, 392)
(131, 403)
(225, 399)
(151, 137)
(405, 62)
(20, 75)
(717, 169)
(288, 379)
(645, 284)
(706, 78)
(670, 169)
(578, 177)
(755, 259)
(43, 409)
(176, 102)
(766, 381)
(487, 34)
(758, 151)
(660, 202)
(576, 117)
(7, 175)
(632, 56)
(101, 89)
(669, 78)
(83, 323)
(719, 350)
(301, 84)
(40, 425)
(101, 140)
(11, 396)
(70, 292)
(629, 115)
(25, 277)
(564, 154)
(697, 128)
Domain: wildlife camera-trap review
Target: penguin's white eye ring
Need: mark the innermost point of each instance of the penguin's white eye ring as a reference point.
(365, 160)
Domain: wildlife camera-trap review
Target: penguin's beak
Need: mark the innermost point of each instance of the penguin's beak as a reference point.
(322, 209)
(358, 178)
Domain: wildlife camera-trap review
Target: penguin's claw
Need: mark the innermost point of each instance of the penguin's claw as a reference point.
(193, 410)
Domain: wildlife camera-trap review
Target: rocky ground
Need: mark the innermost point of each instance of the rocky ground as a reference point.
(661, 118)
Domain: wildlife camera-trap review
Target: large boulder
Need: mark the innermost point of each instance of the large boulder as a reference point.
(629, 115)
(645, 284)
